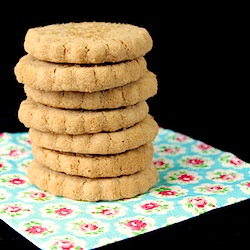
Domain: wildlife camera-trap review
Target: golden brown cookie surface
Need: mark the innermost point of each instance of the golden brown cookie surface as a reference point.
(92, 189)
(63, 121)
(87, 42)
(74, 77)
(126, 95)
(95, 166)
(99, 143)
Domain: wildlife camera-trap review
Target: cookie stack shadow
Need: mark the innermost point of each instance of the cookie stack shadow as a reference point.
(87, 112)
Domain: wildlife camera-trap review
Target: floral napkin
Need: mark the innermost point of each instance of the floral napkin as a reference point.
(193, 178)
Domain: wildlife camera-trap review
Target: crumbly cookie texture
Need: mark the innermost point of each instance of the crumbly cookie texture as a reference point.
(63, 121)
(95, 166)
(87, 42)
(99, 143)
(129, 94)
(74, 77)
(92, 189)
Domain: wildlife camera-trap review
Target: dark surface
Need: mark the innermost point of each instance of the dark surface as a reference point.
(198, 57)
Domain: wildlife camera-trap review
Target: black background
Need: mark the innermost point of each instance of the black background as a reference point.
(201, 62)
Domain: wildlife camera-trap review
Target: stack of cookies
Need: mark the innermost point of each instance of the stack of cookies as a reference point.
(86, 85)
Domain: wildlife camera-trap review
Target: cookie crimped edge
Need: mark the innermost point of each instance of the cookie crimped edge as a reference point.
(63, 121)
(73, 77)
(95, 166)
(92, 189)
(129, 94)
(122, 42)
(99, 143)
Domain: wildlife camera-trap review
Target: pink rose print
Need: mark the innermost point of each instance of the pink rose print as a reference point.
(170, 150)
(204, 146)
(230, 160)
(88, 227)
(60, 210)
(168, 193)
(13, 180)
(195, 161)
(34, 195)
(109, 212)
(207, 188)
(13, 209)
(214, 188)
(136, 225)
(227, 177)
(179, 138)
(38, 195)
(65, 244)
(182, 177)
(156, 163)
(64, 211)
(150, 205)
(186, 177)
(235, 161)
(245, 187)
(15, 153)
(36, 230)
(17, 181)
(221, 175)
(163, 164)
(198, 202)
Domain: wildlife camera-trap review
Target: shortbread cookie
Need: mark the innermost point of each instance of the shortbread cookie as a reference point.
(74, 122)
(95, 166)
(99, 143)
(73, 77)
(87, 42)
(126, 95)
(92, 189)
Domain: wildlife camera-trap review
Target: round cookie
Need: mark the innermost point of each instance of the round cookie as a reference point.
(92, 189)
(74, 122)
(73, 77)
(126, 95)
(87, 42)
(99, 143)
(95, 166)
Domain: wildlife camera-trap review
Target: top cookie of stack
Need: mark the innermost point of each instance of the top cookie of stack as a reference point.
(88, 42)
(87, 84)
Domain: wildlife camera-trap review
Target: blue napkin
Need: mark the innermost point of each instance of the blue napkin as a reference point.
(194, 178)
